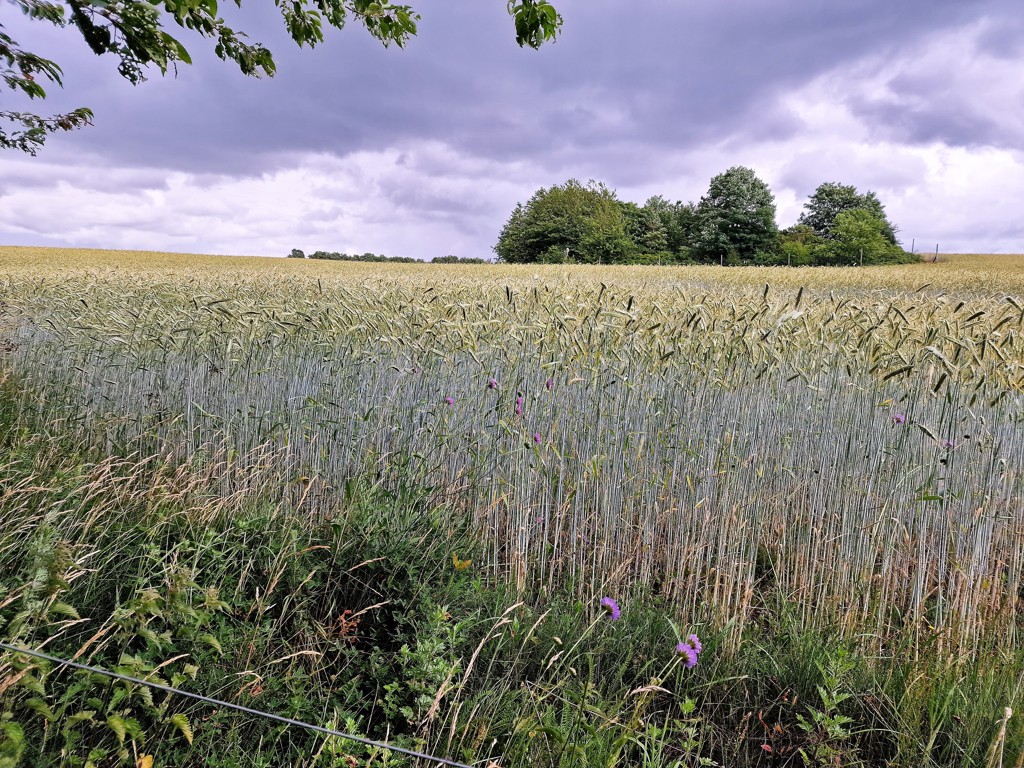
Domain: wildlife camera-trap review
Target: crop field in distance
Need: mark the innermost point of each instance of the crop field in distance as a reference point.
(847, 440)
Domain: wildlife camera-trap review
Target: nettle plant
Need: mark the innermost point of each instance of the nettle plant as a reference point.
(161, 634)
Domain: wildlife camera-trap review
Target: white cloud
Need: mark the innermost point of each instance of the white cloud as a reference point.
(424, 201)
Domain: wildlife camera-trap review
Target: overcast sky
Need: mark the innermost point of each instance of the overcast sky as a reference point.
(424, 151)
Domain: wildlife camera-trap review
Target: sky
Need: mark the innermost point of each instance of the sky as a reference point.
(424, 151)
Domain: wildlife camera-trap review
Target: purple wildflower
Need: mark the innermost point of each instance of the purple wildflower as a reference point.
(519, 405)
(492, 383)
(949, 445)
(688, 653)
(450, 400)
(898, 418)
(611, 608)
(695, 643)
(536, 437)
(549, 384)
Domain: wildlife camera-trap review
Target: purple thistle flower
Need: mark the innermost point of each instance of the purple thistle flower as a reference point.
(695, 643)
(898, 418)
(519, 405)
(949, 445)
(549, 384)
(536, 437)
(450, 400)
(688, 653)
(611, 608)
(492, 383)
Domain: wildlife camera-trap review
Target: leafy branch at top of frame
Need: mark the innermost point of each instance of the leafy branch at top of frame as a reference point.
(135, 32)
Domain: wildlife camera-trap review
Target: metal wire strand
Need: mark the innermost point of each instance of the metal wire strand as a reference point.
(238, 707)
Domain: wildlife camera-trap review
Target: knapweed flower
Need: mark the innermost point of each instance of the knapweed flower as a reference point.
(536, 437)
(450, 400)
(492, 383)
(688, 653)
(549, 384)
(519, 405)
(898, 418)
(611, 608)
(695, 643)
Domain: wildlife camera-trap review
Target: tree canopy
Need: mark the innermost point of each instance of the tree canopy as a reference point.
(577, 222)
(734, 223)
(831, 199)
(135, 33)
(735, 220)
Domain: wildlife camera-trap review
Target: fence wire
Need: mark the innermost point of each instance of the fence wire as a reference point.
(236, 707)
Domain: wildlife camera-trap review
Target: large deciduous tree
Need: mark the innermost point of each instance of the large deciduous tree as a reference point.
(576, 222)
(135, 32)
(831, 199)
(735, 220)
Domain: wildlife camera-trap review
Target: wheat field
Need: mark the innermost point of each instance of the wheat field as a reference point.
(850, 441)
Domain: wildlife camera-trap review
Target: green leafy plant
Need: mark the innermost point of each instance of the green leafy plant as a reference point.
(826, 728)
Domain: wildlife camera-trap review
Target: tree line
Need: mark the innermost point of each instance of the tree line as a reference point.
(335, 256)
(734, 223)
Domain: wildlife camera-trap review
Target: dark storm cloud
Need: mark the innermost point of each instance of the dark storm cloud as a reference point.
(943, 120)
(625, 75)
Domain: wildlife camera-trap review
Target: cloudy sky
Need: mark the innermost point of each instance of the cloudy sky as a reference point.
(424, 151)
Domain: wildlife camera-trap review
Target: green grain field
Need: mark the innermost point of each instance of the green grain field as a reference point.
(818, 470)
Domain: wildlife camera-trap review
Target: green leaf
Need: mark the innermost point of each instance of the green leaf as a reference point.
(134, 728)
(85, 716)
(180, 722)
(212, 641)
(41, 707)
(33, 684)
(64, 610)
(181, 52)
(117, 725)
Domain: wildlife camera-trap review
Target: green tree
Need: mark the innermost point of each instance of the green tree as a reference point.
(645, 229)
(678, 220)
(573, 222)
(831, 199)
(859, 236)
(800, 246)
(735, 220)
(135, 32)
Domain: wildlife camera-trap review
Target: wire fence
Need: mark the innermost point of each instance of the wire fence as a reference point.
(237, 707)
